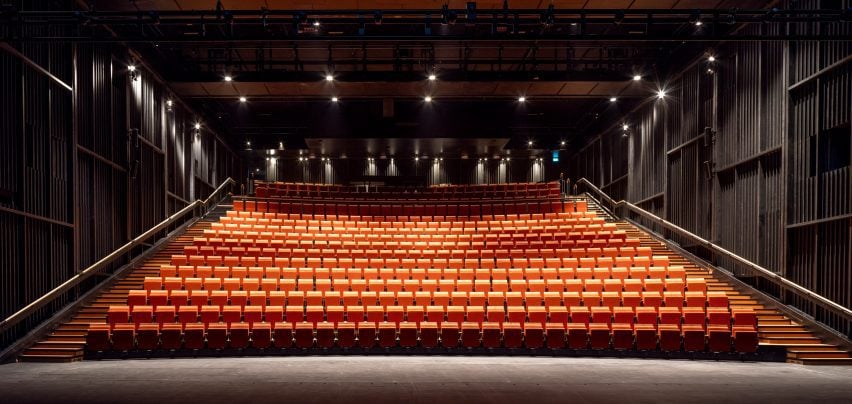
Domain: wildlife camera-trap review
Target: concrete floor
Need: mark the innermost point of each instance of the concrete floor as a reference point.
(431, 380)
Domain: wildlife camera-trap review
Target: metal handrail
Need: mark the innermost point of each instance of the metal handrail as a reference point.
(765, 273)
(75, 280)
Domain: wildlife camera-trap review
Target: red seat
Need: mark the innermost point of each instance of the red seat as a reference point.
(387, 335)
(282, 334)
(148, 336)
(533, 335)
(366, 334)
(694, 338)
(428, 334)
(449, 335)
(324, 335)
(239, 336)
(645, 336)
(470, 334)
(171, 336)
(513, 335)
(261, 335)
(217, 336)
(346, 334)
(745, 339)
(578, 337)
(407, 335)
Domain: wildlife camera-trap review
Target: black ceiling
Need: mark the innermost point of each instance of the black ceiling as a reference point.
(568, 61)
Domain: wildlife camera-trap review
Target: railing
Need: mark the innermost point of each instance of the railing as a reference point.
(783, 284)
(197, 208)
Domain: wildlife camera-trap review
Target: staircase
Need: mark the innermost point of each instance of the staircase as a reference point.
(774, 327)
(67, 341)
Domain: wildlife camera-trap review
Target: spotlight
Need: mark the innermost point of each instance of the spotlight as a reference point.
(329, 77)
(334, 99)
(243, 99)
(562, 143)
(197, 126)
(612, 99)
(530, 143)
(316, 23)
(661, 94)
(698, 23)
(131, 68)
(624, 127)
(134, 75)
(427, 99)
(432, 77)
(229, 78)
(711, 58)
(637, 77)
(522, 99)
(169, 103)
(508, 159)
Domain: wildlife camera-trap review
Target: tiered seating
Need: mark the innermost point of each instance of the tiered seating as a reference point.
(555, 279)
(434, 193)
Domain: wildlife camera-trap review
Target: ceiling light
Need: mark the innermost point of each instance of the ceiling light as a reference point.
(333, 99)
(522, 99)
(612, 99)
(228, 78)
(711, 58)
(329, 77)
(131, 68)
(661, 94)
(530, 143)
(624, 127)
(427, 99)
(698, 23)
(316, 23)
(168, 103)
(562, 143)
(432, 77)
(637, 77)
(197, 126)
(243, 99)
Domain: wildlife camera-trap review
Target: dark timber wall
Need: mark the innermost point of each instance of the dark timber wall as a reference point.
(774, 185)
(70, 188)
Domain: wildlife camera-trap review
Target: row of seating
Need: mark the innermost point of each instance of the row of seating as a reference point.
(576, 213)
(141, 314)
(485, 208)
(643, 337)
(385, 259)
(445, 188)
(652, 287)
(221, 298)
(618, 276)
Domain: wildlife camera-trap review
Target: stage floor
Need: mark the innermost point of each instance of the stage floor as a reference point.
(433, 379)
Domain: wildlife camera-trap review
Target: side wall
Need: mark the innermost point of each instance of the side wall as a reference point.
(83, 171)
(772, 182)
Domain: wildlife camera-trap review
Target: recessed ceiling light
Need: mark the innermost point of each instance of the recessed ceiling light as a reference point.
(243, 99)
(661, 94)
(169, 103)
(562, 143)
(316, 23)
(624, 127)
(698, 23)
(228, 78)
(612, 99)
(530, 143)
(197, 126)
(711, 58)
(333, 99)
(432, 77)
(522, 99)
(427, 99)
(132, 68)
(329, 77)
(637, 77)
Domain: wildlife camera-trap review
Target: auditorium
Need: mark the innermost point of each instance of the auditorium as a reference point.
(426, 200)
